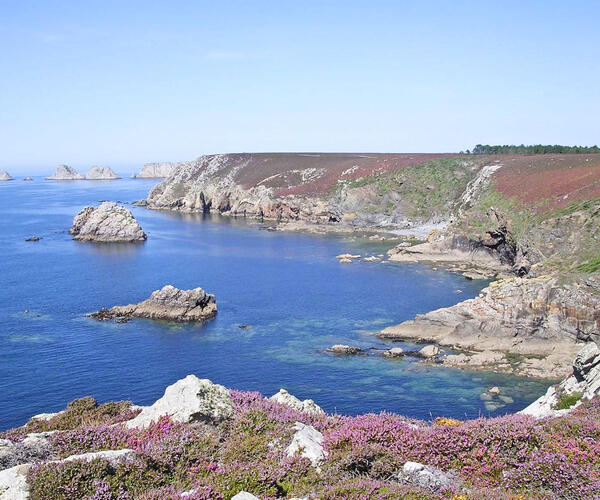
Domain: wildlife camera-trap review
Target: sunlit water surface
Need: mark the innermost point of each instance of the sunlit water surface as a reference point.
(289, 287)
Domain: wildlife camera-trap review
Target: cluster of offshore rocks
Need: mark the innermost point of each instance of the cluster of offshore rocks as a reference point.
(429, 352)
(66, 173)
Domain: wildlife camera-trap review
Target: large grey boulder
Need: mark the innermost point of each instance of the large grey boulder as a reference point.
(156, 170)
(65, 173)
(307, 406)
(106, 223)
(188, 400)
(307, 442)
(585, 381)
(101, 173)
(168, 304)
(5, 176)
(426, 477)
(13, 483)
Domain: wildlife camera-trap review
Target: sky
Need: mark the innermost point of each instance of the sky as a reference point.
(123, 83)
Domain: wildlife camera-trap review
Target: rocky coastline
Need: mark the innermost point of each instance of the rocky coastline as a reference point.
(202, 440)
(167, 304)
(529, 322)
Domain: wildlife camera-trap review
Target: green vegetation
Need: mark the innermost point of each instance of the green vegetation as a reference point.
(568, 400)
(591, 266)
(536, 149)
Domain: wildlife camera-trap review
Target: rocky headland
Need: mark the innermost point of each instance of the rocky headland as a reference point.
(5, 176)
(65, 173)
(106, 223)
(101, 173)
(155, 170)
(201, 440)
(167, 304)
(529, 221)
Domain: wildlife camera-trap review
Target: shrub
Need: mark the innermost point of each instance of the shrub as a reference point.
(567, 400)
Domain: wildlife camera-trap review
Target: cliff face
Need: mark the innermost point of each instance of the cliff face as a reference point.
(156, 170)
(101, 173)
(65, 173)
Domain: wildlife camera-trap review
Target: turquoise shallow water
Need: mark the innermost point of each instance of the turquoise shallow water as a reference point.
(289, 287)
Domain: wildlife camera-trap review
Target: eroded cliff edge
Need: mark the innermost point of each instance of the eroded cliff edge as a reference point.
(531, 222)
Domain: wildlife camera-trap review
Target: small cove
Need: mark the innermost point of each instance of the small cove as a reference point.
(289, 288)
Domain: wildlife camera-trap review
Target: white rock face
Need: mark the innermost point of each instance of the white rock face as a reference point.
(429, 351)
(13, 483)
(156, 170)
(188, 400)
(65, 173)
(101, 173)
(307, 406)
(5, 176)
(585, 380)
(424, 476)
(107, 222)
(308, 442)
(244, 495)
(114, 457)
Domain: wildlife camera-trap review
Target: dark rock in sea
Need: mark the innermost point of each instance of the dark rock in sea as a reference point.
(244, 327)
(34, 238)
(169, 304)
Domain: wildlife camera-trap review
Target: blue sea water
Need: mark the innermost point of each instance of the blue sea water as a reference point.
(289, 287)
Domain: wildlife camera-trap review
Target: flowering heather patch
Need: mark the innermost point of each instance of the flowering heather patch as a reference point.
(506, 458)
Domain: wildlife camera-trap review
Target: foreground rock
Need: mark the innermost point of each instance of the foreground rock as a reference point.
(65, 173)
(426, 477)
(168, 304)
(106, 223)
(101, 173)
(345, 350)
(5, 176)
(155, 170)
(540, 320)
(307, 406)
(308, 443)
(188, 400)
(582, 385)
(13, 483)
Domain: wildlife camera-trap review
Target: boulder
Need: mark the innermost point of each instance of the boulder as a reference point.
(65, 173)
(5, 176)
(307, 406)
(244, 495)
(13, 483)
(345, 350)
(426, 477)
(429, 351)
(113, 457)
(168, 304)
(101, 173)
(394, 352)
(308, 443)
(188, 400)
(106, 223)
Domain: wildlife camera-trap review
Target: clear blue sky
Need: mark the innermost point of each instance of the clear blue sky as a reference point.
(125, 82)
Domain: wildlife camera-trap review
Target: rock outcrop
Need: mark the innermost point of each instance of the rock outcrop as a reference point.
(101, 173)
(13, 483)
(345, 350)
(156, 170)
(528, 317)
(188, 400)
(307, 442)
(65, 173)
(106, 223)
(307, 406)
(5, 176)
(167, 304)
(582, 385)
(427, 477)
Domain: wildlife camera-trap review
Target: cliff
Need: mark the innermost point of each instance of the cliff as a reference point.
(155, 170)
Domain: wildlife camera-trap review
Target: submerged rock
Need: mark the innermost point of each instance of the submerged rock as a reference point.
(34, 238)
(65, 173)
(28, 178)
(307, 406)
(155, 170)
(5, 176)
(169, 304)
(346, 350)
(106, 223)
(188, 400)
(101, 173)
(394, 352)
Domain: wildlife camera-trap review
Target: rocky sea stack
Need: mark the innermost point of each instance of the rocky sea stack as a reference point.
(106, 223)
(65, 173)
(5, 176)
(168, 304)
(155, 170)
(101, 173)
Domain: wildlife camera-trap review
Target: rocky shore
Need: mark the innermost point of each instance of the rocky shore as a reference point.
(167, 304)
(106, 223)
(201, 440)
